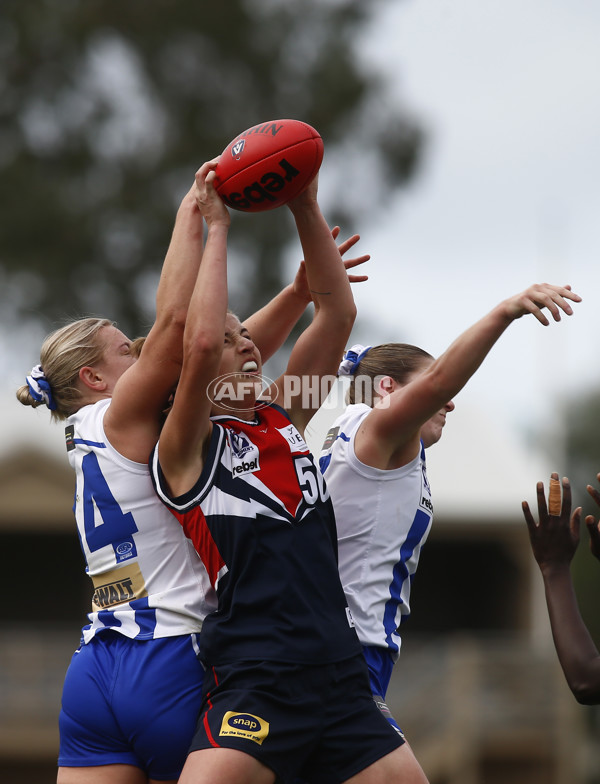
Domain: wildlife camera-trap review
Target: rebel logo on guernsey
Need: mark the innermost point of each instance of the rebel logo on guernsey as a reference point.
(426, 504)
(425, 480)
(244, 725)
(425, 492)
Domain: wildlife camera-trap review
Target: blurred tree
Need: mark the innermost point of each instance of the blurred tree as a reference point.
(109, 108)
(582, 451)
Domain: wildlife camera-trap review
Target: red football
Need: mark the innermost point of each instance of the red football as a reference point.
(267, 165)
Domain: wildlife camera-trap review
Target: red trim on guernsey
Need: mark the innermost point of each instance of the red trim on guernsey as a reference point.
(209, 734)
(196, 529)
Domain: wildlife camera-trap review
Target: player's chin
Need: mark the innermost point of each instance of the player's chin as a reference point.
(432, 436)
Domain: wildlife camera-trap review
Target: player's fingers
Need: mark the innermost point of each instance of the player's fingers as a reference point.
(349, 263)
(547, 300)
(531, 524)
(541, 500)
(347, 244)
(534, 306)
(593, 528)
(570, 294)
(545, 295)
(560, 302)
(558, 295)
(203, 171)
(575, 523)
(594, 493)
(566, 496)
(554, 500)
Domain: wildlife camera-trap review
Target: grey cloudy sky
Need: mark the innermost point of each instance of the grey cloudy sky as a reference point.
(507, 196)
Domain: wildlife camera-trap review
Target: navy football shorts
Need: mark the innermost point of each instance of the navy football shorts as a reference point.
(131, 702)
(315, 723)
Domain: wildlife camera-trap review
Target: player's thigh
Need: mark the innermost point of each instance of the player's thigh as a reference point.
(103, 774)
(398, 767)
(215, 766)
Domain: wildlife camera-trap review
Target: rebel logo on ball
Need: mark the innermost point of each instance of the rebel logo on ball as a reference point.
(268, 165)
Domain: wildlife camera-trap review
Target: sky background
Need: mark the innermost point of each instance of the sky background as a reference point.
(507, 194)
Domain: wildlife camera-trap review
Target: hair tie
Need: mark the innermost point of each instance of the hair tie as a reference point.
(39, 388)
(352, 359)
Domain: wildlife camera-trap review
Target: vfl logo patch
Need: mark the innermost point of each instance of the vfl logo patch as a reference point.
(241, 444)
(238, 148)
(244, 454)
(244, 725)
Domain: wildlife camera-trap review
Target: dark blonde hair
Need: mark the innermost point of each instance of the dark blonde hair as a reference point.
(397, 360)
(64, 352)
(135, 349)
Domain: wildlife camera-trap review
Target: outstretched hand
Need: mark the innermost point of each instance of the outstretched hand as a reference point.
(591, 524)
(300, 284)
(345, 246)
(539, 296)
(554, 540)
(209, 202)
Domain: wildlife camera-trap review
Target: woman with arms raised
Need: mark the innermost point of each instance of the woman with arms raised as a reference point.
(286, 692)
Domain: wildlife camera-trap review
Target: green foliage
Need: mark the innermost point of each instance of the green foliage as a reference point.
(582, 447)
(109, 108)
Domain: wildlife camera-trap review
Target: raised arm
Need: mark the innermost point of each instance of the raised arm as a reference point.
(135, 414)
(393, 428)
(318, 350)
(554, 541)
(188, 427)
(272, 324)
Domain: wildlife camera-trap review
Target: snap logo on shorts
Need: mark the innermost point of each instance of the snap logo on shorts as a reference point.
(244, 725)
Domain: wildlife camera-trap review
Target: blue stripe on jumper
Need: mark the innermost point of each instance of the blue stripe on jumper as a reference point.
(326, 459)
(415, 535)
(144, 617)
(97, 444)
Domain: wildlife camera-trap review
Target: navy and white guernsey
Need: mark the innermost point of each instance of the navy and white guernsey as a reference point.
(261, 519)
(148, 580)
(383, 519)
